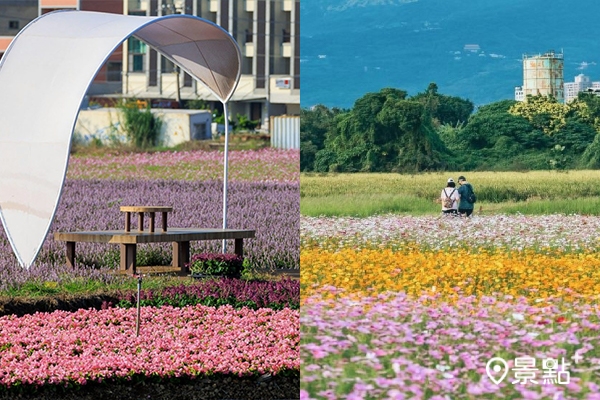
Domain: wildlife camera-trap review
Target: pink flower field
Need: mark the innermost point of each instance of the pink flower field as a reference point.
(395, 347)
(88, 345)
(265, 165)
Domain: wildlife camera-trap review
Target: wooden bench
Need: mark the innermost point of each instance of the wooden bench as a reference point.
(180, 237)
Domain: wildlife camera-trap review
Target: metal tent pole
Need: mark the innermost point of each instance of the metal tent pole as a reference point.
(225, 171)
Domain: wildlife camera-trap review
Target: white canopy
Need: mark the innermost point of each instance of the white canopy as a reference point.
(44, 76)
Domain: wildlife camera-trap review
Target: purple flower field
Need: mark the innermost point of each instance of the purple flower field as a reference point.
(262, 294)
(264, 195)
(272, 209)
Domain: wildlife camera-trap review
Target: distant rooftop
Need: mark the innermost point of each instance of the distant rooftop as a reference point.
(548, 54)
(471, 47)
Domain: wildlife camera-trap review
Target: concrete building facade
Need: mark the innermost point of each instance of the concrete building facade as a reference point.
(543, 75)
(268, 33)
(14, 16)
(269, 39)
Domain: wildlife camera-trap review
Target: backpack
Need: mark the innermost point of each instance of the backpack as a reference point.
(448, 201)
(471, 198)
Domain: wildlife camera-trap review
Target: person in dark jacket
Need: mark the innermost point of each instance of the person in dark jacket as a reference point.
(465, 208)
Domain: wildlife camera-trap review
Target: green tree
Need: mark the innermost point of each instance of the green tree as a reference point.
(575, 136)
(315, 123)
(444, 109)
(586, 107)
(591, 156)
(545, 113)
(383, 132)
(492, 122)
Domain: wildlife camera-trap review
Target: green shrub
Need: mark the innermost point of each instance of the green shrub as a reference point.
(197, 104)
(141, 126)
(246, 124)
(228, 265)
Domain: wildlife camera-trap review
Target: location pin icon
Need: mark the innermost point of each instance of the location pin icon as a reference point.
(496, 367)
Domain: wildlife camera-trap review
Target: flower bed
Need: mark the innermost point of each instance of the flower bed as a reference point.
(237, 293)
(453, 274)
(394, 346)
(194, 351)
(514, 232)
(279, 294)
(401, 307)
(62, 348)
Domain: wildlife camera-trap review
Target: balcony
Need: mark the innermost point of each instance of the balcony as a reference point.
(58, 3)
(250, 5)
(286, 50)
(282, 90)
(249, 49)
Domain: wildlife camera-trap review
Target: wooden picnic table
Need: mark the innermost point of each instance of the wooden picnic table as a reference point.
(128, 240)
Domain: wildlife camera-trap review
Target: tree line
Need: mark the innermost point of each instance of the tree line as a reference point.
(389, 131)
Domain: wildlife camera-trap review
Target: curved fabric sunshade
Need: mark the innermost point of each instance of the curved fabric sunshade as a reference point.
(44, 76)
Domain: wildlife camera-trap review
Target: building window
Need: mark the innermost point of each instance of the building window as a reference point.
(113, 71)
(166, 65)
(13, 24)
(137, 53)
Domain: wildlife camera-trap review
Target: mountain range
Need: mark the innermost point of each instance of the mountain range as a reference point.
(470, 48)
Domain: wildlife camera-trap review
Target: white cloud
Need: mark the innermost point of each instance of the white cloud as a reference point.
(366, 3)
(584, 64)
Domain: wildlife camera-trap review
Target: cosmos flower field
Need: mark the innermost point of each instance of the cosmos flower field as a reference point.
(397, 307)
(74, 348)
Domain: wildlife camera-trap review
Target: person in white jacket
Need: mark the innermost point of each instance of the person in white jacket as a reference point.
(450, 198)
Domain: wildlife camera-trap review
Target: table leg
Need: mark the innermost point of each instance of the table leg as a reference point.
(71, 254)
(164, 221)
(239, 247)
(181, 256)
(128, 253)
(127, 221)
(152, 216)
(141, 221)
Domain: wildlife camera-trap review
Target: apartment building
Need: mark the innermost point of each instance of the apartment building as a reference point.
(268, 33)
(582, 83)
(14, 15)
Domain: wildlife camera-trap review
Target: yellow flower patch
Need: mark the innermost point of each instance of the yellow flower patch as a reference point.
(451, 273)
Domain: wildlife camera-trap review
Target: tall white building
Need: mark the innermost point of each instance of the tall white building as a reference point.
(582, 83)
